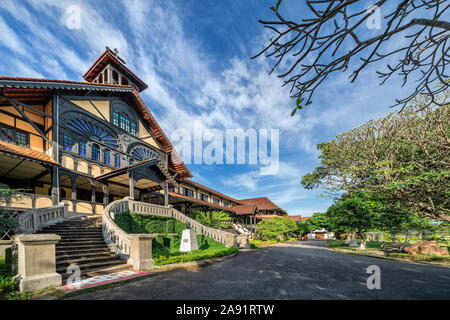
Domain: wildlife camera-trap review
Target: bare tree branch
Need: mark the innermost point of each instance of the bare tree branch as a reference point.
(331, 41)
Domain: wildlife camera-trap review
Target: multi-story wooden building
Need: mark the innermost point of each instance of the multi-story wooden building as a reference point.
(85, 143)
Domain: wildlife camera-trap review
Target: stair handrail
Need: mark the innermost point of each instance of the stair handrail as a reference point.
(225, 237)
(34, 220)
(116, 238)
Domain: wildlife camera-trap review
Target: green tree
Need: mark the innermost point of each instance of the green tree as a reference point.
(401, 159)
(318, 220)
(304, 227)
(277, 227)
(355, 213)
(213, 219)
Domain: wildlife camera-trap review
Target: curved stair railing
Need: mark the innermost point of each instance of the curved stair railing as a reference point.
(33, 220)
(118, 240)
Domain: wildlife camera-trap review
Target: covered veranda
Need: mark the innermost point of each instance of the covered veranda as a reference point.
(142, 181)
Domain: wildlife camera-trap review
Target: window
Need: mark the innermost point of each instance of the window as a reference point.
(216, 201)
(107, 157)
(82, 148)
(188, 192)
(226, 204)
(117, 161)
(95, 152)
(67, 142)
(12, 135)
(122, 122)
(116, 118)
(7, 135)
(204, 197)
(131, 161)
(172, 189)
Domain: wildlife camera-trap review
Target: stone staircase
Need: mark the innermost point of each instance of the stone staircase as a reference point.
(82, 245)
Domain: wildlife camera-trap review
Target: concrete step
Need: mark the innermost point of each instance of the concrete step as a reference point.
(80, 237)
(82, 247)
(86, 260)
(89, 266)
(79, 242)
(61, 255)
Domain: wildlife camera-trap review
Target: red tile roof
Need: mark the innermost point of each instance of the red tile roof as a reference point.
(200, 186)
(266, 216)
(190, 199)
(244, 209)
(110, 56)
(295, 218)
(26, 153)
(262, 203)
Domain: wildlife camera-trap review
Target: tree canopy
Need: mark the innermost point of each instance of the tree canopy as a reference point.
(402, 160)
(275, 228)
(333, 36)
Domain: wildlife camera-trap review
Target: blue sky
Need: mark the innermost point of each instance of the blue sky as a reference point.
(195, 57)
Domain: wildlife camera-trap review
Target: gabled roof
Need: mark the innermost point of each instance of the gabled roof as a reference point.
(40, 90)
(111, 57)
(244, 209)
(26, 153)
(262, 203)
(123, 170)
(212, 191)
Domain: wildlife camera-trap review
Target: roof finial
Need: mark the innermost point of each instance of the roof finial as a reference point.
(116, 51)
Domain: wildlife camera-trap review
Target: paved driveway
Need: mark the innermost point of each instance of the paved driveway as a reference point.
(289, 272)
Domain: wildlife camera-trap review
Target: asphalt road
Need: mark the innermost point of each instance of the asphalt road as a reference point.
(291, 272)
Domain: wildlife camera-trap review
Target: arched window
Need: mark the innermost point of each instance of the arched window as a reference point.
(124, 118)
(82, 148)
(95, 152)
(107, 157)
(117, 160)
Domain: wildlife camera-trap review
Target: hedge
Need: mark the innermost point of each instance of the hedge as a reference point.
(141, 223)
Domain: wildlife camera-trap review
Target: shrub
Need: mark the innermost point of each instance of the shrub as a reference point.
(213, 219)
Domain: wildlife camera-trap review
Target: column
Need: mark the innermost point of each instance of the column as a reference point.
(132, 184)
(166, 194)
(55, 185)
(106, 194)
(74, 188)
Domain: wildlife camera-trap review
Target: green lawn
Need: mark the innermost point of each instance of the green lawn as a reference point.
(374, 247)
